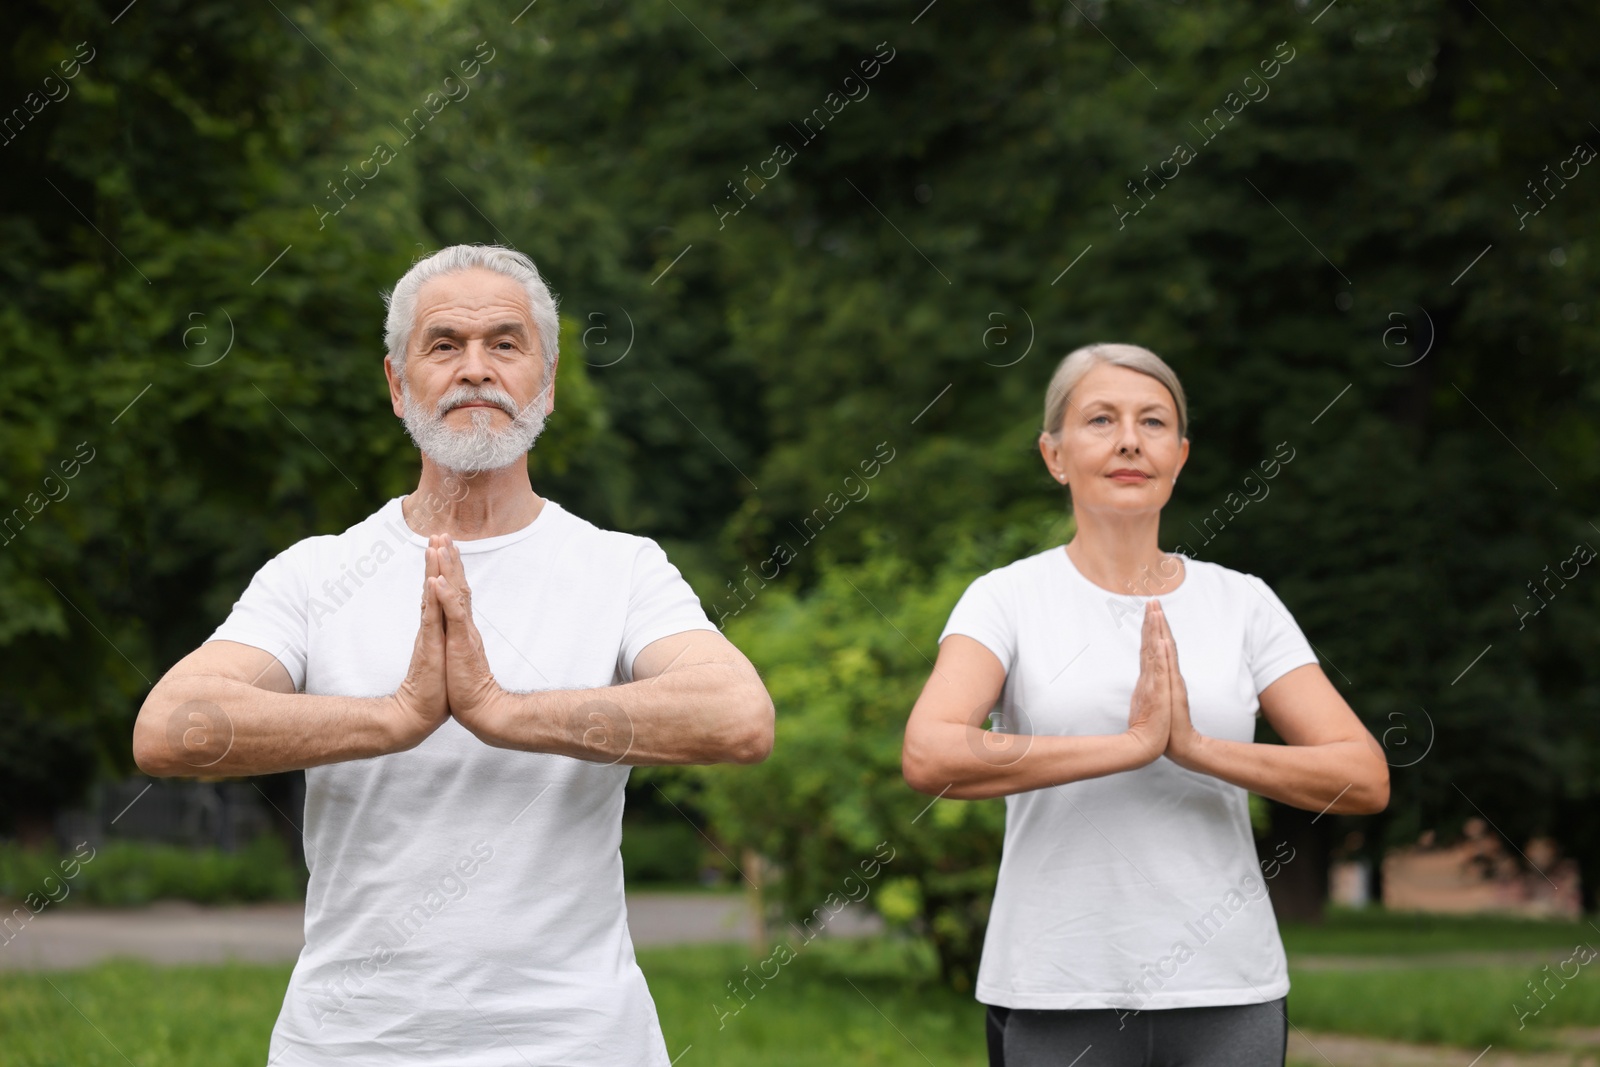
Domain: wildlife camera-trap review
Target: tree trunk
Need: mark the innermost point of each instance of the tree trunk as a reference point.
(1295, 852)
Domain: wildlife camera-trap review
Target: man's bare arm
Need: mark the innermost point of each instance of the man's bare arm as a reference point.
(230, 710)
(694, 699)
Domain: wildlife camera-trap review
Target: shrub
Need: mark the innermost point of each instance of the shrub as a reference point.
(844, 663)
(128, 873)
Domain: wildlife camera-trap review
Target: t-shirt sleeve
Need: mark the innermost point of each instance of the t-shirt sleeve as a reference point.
(660, 604)
(984, 615)
(272, 613)
(1273, 642)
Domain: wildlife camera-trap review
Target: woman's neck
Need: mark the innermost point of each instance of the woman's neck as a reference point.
(1126, 561)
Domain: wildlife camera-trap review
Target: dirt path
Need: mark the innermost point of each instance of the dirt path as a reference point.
(175, 932)
(1343, 1050)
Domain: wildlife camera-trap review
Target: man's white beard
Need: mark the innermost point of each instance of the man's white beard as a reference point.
(479, 448)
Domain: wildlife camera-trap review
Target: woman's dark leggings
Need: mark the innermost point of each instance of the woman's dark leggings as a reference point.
(1234, 1035)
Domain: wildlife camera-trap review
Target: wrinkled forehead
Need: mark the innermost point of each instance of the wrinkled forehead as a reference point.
(473, 298)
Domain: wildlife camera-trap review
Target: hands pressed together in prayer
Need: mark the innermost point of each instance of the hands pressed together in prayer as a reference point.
(449, 672)
(1158, 715)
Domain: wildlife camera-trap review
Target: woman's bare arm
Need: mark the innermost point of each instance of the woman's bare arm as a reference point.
(947, 753)
(1330, 761)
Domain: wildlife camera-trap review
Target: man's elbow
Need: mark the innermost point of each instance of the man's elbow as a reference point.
(151, 752)
(756, 730)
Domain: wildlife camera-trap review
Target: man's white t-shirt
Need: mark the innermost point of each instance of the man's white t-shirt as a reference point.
(465, 905)
(1137, 890)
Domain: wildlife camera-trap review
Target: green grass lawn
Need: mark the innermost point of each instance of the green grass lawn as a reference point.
(871, 1002)
(1374, 932)
(847, 1002)
(1469, 1006)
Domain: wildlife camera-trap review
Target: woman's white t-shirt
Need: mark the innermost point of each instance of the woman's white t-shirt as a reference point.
(1137, 890)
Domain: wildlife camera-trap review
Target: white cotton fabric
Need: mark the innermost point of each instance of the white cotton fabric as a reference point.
(1137, 890)
(465, 906)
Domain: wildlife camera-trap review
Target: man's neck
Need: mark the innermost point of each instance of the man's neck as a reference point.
(472, 506)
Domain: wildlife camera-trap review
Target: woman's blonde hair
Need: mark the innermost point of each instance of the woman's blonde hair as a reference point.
(1081, 361)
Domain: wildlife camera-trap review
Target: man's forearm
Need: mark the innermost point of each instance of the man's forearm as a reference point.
(704, 713)
(221, 727)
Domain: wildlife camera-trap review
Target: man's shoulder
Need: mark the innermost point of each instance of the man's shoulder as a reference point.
(377, 532)
(592, 535)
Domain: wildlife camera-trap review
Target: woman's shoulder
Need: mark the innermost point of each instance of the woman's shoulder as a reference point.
(1024, 571)
(1222, 578)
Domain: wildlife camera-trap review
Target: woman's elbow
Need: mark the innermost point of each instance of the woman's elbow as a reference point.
(918, 768)
(1373, 797)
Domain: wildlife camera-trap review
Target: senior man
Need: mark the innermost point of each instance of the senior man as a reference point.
(464, 771)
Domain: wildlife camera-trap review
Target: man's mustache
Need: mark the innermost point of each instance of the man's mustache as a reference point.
(451, 403)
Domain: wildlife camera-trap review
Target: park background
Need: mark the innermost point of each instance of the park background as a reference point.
(1375, 255)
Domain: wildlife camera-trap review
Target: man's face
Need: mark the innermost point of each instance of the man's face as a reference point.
(474, 395)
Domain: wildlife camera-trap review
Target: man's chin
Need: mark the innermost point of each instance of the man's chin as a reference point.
(472, 467)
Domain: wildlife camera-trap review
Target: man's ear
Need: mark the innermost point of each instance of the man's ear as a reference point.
(396, 399)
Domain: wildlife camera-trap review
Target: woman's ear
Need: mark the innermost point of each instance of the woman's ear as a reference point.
(1049, 452)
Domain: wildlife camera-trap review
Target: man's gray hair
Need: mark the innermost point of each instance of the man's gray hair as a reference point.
(402, 299)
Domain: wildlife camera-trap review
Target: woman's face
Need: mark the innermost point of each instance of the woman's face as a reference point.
(1118, 447)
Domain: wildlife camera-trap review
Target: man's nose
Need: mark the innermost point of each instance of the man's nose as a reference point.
(476, 365)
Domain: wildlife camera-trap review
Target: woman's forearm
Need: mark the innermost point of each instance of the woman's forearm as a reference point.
(1340, 777)
(966, 763)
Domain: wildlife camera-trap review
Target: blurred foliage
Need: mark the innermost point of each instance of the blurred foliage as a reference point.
(662, 853)
(903, 279)
(128, 873)
(844, 661)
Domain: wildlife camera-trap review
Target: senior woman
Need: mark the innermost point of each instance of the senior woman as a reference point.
(1130, 924)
